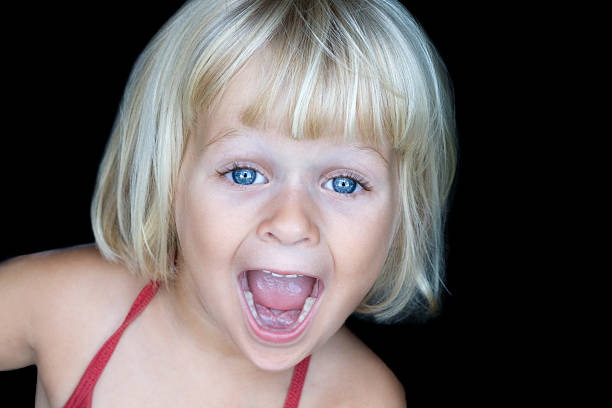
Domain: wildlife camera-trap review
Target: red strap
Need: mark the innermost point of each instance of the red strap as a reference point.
(297, 383)
(82, 395)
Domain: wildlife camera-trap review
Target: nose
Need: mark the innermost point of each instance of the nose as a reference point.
(290, 220)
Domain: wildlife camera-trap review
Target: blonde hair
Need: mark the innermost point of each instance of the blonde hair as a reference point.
(365, 64)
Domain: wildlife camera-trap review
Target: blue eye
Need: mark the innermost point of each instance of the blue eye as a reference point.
(245, 176)
(343, 185)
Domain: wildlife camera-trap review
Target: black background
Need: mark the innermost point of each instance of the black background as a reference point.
(66, 65)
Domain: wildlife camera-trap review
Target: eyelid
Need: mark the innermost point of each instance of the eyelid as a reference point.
(235, 165)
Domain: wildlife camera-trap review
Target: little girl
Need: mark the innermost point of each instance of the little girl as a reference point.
(275, 166)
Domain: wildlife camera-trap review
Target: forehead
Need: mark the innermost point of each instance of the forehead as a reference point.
(238, 112)
(310, 98)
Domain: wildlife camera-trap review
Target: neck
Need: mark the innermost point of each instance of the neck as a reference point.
(192, 324)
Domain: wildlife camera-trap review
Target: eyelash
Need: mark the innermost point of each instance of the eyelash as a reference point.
(343, 173)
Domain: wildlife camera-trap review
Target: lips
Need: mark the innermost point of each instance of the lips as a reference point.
(278, 305)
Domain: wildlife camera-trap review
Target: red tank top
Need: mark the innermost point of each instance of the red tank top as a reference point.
(82, 395)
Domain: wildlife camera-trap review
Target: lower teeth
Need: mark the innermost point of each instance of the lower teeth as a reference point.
(305, 309)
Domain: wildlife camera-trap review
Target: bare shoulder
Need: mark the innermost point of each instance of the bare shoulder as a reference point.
(346, 373)
(64, 282)
(73, 299)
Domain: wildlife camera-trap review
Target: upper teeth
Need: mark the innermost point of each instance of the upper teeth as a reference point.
(281, 276)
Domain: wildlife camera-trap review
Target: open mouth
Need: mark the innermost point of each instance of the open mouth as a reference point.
(279, 305)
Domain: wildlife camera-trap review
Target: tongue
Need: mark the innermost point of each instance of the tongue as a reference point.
(279, 293)
(277, 319)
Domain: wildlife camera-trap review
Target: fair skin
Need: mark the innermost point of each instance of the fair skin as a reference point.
(193, 344)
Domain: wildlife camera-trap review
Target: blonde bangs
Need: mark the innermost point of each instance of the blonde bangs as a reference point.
(316, 95)
(323, 75)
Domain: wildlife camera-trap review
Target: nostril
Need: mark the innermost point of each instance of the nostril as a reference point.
(288, 229)
(270, 237)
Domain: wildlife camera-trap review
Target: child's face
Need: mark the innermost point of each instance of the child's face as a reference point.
(286, 209)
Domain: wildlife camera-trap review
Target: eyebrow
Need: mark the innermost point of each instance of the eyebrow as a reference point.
(371, 149)
(223, 136)
(232, 133)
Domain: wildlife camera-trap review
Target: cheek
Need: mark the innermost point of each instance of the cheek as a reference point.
(361, 249)
(204, 227)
